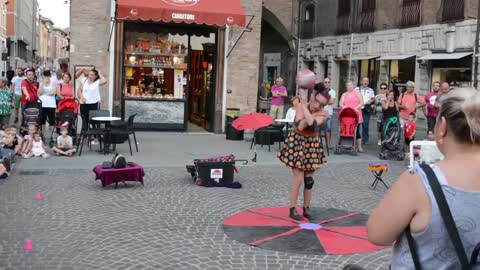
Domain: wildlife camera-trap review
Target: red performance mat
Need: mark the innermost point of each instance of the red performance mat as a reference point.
(330, 232)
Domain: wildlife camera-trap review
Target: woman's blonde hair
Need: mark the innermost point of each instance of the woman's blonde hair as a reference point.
(461, 109)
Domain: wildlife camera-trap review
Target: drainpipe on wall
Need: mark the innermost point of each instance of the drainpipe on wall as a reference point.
(111, 74)
(225, 73)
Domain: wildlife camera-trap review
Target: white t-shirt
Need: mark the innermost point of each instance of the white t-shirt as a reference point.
(91, 92)
(56, 81)
(329, 108)
(290, 114)
(367, 94)
(48, 101)
(64, 141)
(18, 84)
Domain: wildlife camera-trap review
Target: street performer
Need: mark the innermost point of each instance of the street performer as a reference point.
(303, 152)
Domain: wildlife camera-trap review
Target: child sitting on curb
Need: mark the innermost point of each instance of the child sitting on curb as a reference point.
(27, 142)
(37, 149)
(15, 142)
(5, 166)
(65, 145)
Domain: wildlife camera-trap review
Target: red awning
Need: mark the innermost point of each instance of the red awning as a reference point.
(211, 12)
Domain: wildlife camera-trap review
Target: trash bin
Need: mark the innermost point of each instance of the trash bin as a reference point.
(220, 172)
(230, 132)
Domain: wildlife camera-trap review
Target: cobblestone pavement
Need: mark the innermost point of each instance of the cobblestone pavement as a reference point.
(169, 223)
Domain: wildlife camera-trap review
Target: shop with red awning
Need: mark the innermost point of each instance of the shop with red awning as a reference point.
(169, 57)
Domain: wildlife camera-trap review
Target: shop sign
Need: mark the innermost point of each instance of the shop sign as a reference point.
(216, 173)
(182, 16)
(182, 3)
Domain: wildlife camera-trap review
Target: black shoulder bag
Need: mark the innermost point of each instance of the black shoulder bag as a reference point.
(449, 224)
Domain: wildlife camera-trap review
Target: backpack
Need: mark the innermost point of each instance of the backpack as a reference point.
(449, 224)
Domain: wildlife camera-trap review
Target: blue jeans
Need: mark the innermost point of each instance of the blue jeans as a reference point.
(5, 152)
(365, 126)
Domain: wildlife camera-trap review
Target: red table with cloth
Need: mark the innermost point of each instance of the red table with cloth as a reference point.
(132, 173)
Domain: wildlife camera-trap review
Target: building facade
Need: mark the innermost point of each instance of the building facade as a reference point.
(22, 31)
(245, 62)
(390, 41)
(3, 38)
(46, 32)
(60, 49)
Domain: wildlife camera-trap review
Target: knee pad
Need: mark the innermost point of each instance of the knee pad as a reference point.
(308, 181)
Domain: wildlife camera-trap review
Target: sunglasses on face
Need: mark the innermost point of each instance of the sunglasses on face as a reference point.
(383, 88)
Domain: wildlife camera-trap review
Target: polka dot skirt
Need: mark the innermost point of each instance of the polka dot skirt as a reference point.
(302, 152)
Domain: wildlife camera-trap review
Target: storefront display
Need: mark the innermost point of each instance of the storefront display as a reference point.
(170, 59)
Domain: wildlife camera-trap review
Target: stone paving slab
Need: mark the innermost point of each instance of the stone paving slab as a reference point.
(168, 224)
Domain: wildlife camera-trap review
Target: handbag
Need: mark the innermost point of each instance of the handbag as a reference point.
(449, 224)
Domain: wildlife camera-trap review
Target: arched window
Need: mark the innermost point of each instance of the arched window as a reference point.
(308, 21)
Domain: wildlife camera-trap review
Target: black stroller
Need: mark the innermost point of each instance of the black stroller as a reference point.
(66, 116)
(392, 144)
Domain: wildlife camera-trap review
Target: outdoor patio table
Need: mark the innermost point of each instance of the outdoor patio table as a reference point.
(108, 127)
(132, 173)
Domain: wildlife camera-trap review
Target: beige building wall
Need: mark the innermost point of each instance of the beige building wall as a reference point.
(89, 38)
(243, 69)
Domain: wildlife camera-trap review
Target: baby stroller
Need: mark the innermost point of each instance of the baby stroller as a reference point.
(66, 116)
(392, 145)
(32, 116)
(347, 143)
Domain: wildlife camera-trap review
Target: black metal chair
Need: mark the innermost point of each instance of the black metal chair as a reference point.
(323, 137)
(127, 128)
(88, 133)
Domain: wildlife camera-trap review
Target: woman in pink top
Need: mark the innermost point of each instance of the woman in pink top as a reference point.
(65, 89)
(354, 99)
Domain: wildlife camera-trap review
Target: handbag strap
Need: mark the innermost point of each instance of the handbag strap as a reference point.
(413, 249)
(446, 215)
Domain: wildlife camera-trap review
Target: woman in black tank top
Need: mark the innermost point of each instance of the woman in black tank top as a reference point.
(390, 106)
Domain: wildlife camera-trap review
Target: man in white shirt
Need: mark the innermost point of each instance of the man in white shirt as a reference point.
(368, 98)
(17, 88)
(329, 108)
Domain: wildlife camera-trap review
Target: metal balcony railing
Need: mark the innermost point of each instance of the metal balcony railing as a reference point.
(410, 13)
(343, 24)
(367, 21)
(453, 10)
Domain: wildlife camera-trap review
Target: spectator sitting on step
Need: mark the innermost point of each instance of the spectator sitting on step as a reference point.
(65, 145)
(15, 141)
(26, 150)
(38, 147)
(5, 139)
(5, 166)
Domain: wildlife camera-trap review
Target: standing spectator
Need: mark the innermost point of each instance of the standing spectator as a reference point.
(410, 130)
(5, 103)
(29, 90)
(17, 87)
(89, 93)
(368, 98)
(432, 110)
(65, 88)
(279, 92)
(379, 100)
(327, 82)
(57, 77)
(410, 202)
(407, 103)
(354, 100)
(10, 75)
(47, 96)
